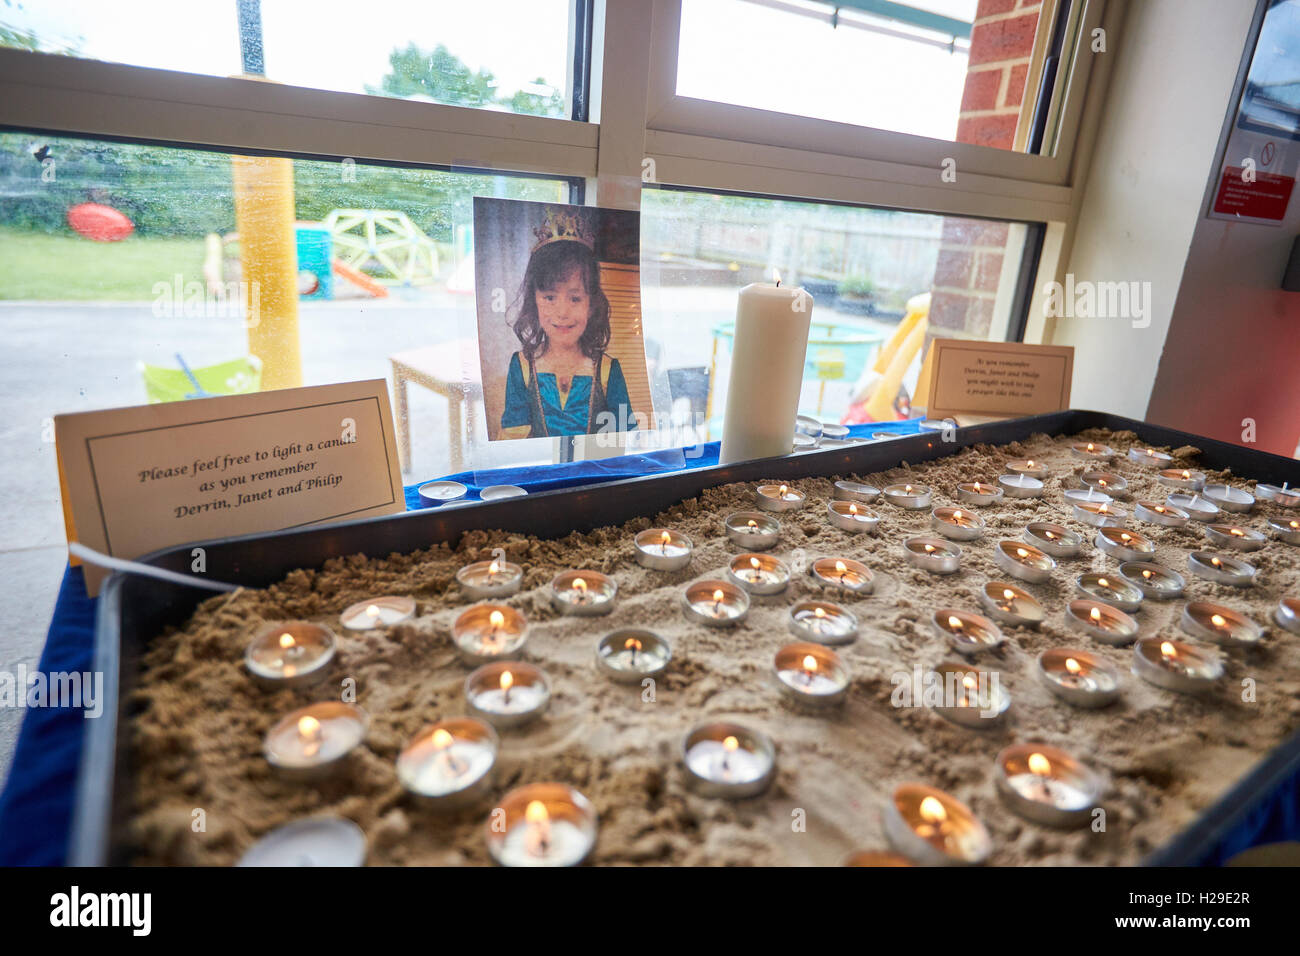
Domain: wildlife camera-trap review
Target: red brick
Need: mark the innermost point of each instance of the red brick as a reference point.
(1016, 84)
(989, 8)
(953, 268)
(988, 271)
(999, 131)
(1009, 39)
(948, 310)
(981, 92)
(973, 232)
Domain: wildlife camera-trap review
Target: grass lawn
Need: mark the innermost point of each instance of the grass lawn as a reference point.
(45, 266)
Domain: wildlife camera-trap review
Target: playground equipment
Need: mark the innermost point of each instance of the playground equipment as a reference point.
(236, 377)
(384, 243)
(879, 394)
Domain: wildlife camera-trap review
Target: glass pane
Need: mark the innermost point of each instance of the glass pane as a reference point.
(434, 52)
(947, 69)
(879, 278)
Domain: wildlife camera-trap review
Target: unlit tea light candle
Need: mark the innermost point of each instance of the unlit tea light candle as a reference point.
(852, 516)
(449, 764)
(1221, 569)
(1175, 665)
(843, 573)
(315, 841)
(758, 573)
(778, 498)
(1078, 677)
(507, 693)
(855, 491)
(378, 612)
(933, 828)
(1047, 785)
(1009, 604)
(1024, 561)
(978, 493)
(542, 824)
(822, 622)
(1219, 625)
(497, 492)
(1111, 589)
(1153, 580)
(724, 759)
(810, 674)
(631, 654)
(1020, 486)
(1198, 508)
(313, 741)
(1229, 498)
(956, 524)
(715, 603)
(1053, 539)
(1235, 537)
(583, 593)
(488, 632)
(1101, 621)
(753, 530)
(290, 654)
(660, 549)
(912, 497)
(1283, 495)
(497, 578)
(966, 633)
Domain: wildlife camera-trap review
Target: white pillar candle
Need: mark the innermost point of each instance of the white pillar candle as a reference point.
(767, 360)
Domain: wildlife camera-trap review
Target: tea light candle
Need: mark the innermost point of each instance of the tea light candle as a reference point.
(1153, 580)
(436, 493)
(842, 573)
(1153, 512)
(715, 603)
(1078, 677)
(851, 516)
(1105, 482)
(583, 593)
(802, 442)
(811, 675)
(490, 579)
(933, 828)
(1029, 467)
(1023, 561)
(1124, 545)
(1011, 605)
(1149, 457)
(723, 759)
(1020, 486)
(1287, 614)
(449, 763)
(758, 573)
(970, 634)
(753, 530)
(1104, 515)
(978, 493)
(1101, 621)
(488, 632)
(315, 841)
(507, 693)
(932, 554)
(1221, 569)
(378, 612)
(497, 492)
(1114, 591)
(822, 622)
(1183, 479)
(542, 824)
(1053, 539)
(290, 654)
(912, 497)
(1175, 665)
(1237, 538)
(313, 741)
(937, 424)
(1229, 498)
(662, 550)
(1074, 496)
(1285, 529)
(631, 654)
(1286, 496)
(1046, 785)
(885, 436)
(809, 426)
(1219, 625)
(972, 696)
(853, 491)
(778, 498)
(1092, 451)
(956, 524)
(876, 858)
(1198, 508)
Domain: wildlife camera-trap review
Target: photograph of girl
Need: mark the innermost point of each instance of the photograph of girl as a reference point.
(559, 319)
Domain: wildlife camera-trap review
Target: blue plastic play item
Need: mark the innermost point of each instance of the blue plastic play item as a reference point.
(315, 255)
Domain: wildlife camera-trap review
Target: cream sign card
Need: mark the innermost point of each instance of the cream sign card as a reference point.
(997, 379)
(138, 479)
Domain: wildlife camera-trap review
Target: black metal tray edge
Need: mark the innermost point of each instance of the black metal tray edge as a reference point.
(122, 624)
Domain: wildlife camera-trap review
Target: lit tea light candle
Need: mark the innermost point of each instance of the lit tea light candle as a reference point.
(315, 841)
(1287, 614)
(449, 764)
(1175, 665)
(855, 491)
(1092, 451)
(1235, 537)
(1153, 512)
(290, 654)
(1219, 625)
(378, 612)
(433, 494)
(583, 593)
(979, 493)
(811, 675)
(1054, 539)
(934, 555)
(1184, 479)
(822, 622)
(1046, 785)
(1153, 580)
(1229, 498)
(912, 497)
(1074, 496)
(971, 696)
(933, 828)
(1024, 561)
(1285, 529)
(542, 824)
(1029, 467)
(1124, 545)
(1009, 604)
(852, 516)
(1105, 482)
(715, 603)
(969, 634)
(1104, 515)
(1111, 589)
(662, 550)
(1078, 677)
(1101, 621)
(758, 574)
(729, 760)
(1221, 569)
(487, 632)
(1285, 495)
(631, 654)
(956, 524)
(1149, 457)
(485, 580)
(314, 741)
(842, 573)
(507, 693)
(1020, 486)
(753, 530)
(778, 498)
(1197, 508)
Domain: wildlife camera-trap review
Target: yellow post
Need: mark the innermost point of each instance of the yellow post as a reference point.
(264, 216)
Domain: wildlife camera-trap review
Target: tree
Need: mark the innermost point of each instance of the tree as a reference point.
(440, 76)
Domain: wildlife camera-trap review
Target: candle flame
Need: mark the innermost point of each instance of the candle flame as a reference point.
(1126, 537)
(1073, 666)
(1218, 620)
(1039, 765)
(957, 514)
(580, 585)
(954, 622)
(1102, 482)
(754, 563)
(977, 487)
(372, 610)
(1030, 463)
(1050, 535)
(1008, 593)
(783, 490)
(717, 596)
(907, 489)
(753, 524)
(1102, 582)
(929, 548)
(507, 680)
(968, 682)
(840, 567)
(496, 619)
(494, 567)
(308, 726)
(1021, 553)
(1095, 614)
(632, 644)
(932, 811)
(1293, 524)
(1186, 474)
(730, 744)
(1238, 532)
(853, 510)
(776, 275)
(441, 738)
(1216, 562)
(810, 664)
(1146, 573)
(286, 640)
(535, 813)
(819, 612)
(1160, 508)
(1091, 446)
(1102, 509)
(1168, 650)
(665, 538)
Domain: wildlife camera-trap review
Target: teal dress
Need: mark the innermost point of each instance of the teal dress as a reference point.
(537, 403)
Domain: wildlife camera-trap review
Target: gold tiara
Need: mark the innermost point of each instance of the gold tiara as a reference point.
(561, 226)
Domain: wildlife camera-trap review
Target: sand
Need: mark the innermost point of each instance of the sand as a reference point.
(198, 720)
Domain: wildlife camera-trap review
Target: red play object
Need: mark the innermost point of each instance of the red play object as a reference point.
(99, 222)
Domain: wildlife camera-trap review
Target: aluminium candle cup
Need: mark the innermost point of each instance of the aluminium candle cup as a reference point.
(937, 424)
(972, 696)
(966, 633)
(378, 612)
(1124, 545)
(1046, 785)
(1106, 482)
(956, 524)
(1029, 467)
(1020, 486)
(810, 675)
(1219, 625)
(313, 742)
(835, 432)
(1184, 479)
(1198, 507)
(1229, 498)
(1074, 496)
(1079, 678)
(885, 436)
(934, 555)
(759, 574)
(1024, 561)
(1153, 512)
(497, 492)
(1285, 495)
(660, 549)
(1285, 529)
(434, 494)
(822, 622)
(1101, 621)
(979, 493)
(804, 443)
(844, 573)
(778, 497)
(1175, 665)
(1092, 451)
(484, 633)
(753, 530)
(1006, 603)
(876, 858)
(1053, 539)
(723, 759)
(1221, 568)
(583, 593)
(807, 425)
(852, 516)
(715, 603)
(1287, 614)
(290, 654)
(507, 693)
(1234, 537)
(1153, 580)
(631, 654)
(449, 764)
(855, 491)
(1149, 457)
(1109, 589)
(1105, 515)
(485, 580)
(542, 824)
(933, 828)
(315, 841)
(909, 496)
